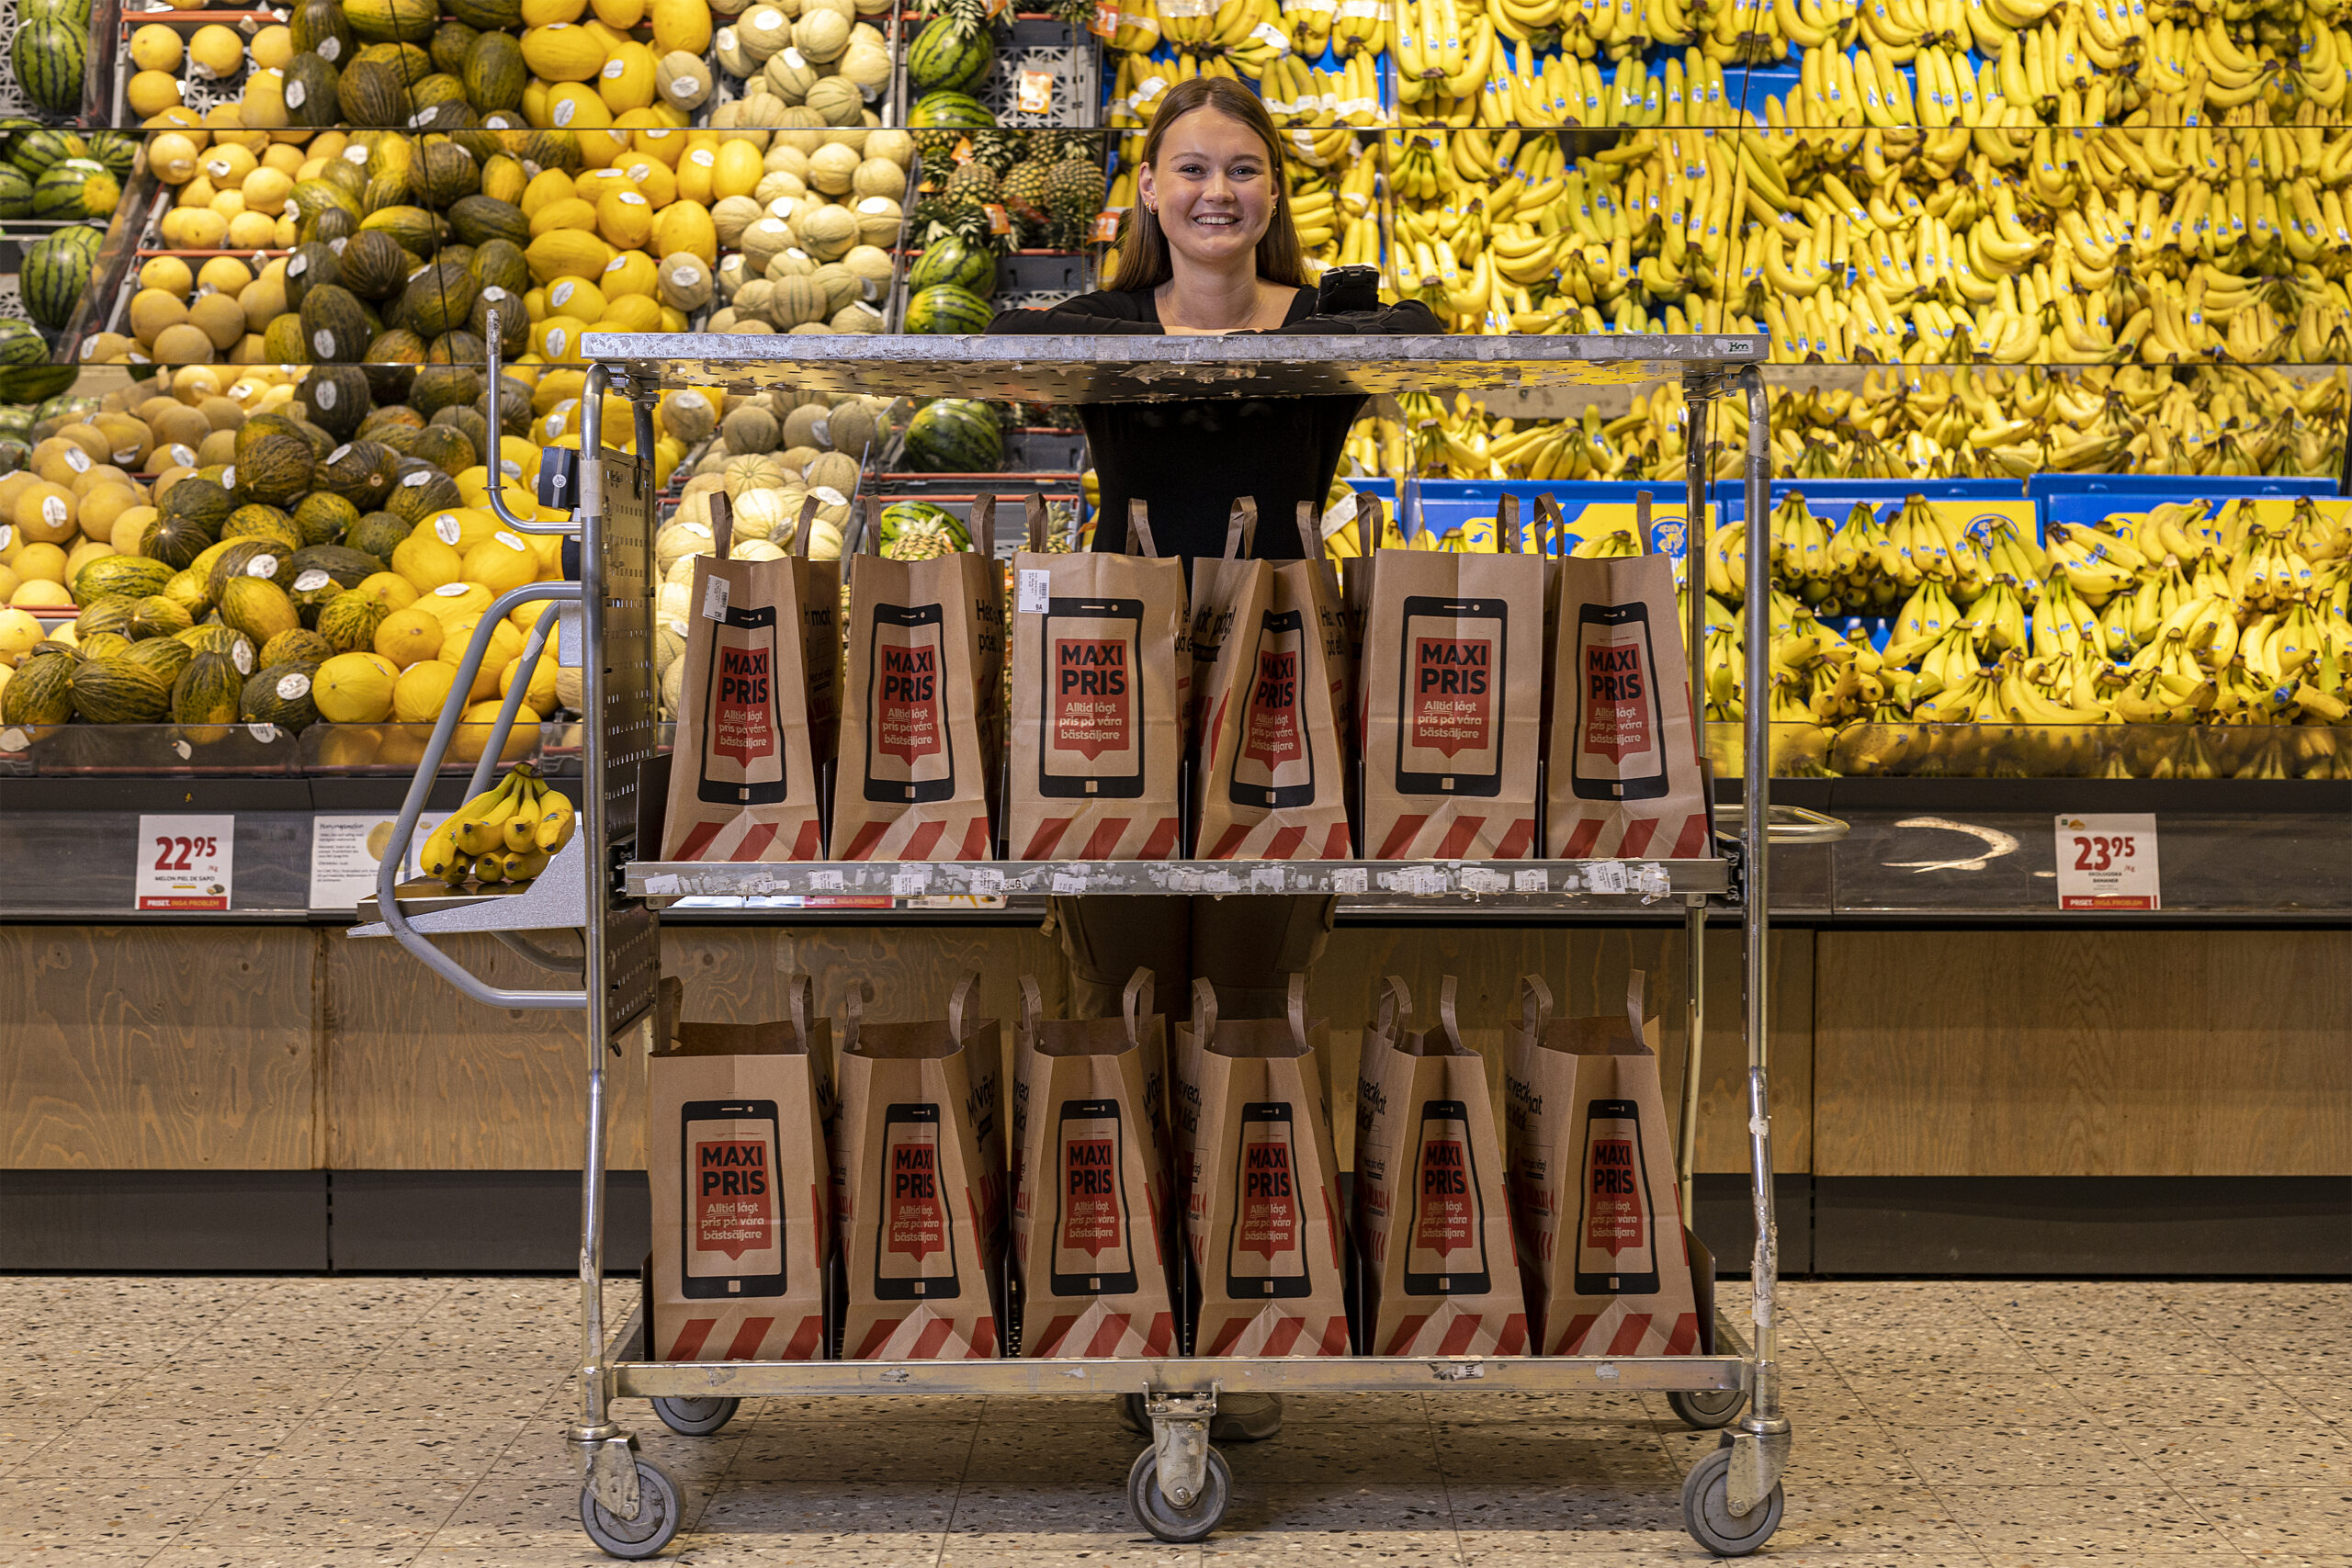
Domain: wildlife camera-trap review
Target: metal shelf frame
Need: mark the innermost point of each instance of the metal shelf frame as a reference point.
(627, 1505)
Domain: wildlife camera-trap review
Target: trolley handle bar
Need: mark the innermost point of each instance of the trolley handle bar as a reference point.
(428, 768)
(497, 465)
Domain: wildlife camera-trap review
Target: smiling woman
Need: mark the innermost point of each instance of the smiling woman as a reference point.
(1209, 248)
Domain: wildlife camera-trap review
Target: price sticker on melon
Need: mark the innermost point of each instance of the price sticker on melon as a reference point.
(184, 863)
(2109, 863)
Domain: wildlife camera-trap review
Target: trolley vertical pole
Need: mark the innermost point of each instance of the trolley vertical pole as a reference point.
(1762, 1452)
(615, 1484)
(1698, 411)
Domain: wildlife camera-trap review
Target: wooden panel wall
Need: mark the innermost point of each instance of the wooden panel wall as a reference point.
(1586, 969)
(2084, 1054)
(159, 1048)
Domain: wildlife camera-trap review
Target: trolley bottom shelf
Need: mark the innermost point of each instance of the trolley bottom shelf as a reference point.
(1179, 1485)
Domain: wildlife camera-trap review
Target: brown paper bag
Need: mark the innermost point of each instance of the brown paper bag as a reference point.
(1440, 1272)
(1100, 683)
(1340, 635)
(926, 646)
(760, 705)
(1624, 777)
(1271, 783)
(1261, 1183)
(1090, 1199)
(1224, 590)
(742, 1192)
(1451, 677)
(1592, 1186)
(920, 1184)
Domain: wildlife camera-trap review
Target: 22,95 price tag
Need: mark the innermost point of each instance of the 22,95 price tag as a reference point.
(2109, 863)
(184, 862)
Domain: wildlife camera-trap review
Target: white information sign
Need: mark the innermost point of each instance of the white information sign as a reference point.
(185, 862)
(2109, 863)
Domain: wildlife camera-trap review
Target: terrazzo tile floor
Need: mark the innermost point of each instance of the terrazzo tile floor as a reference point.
(268, 1423)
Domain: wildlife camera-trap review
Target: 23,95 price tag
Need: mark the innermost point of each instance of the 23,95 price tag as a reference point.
(184, 862)
(2109, 863)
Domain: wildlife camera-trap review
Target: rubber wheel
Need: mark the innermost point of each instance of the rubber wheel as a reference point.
(1706, 1509)
(1132, 1415)
(1706, 1411)
(696, 1417)
(1165, 1519)
(657, 1521)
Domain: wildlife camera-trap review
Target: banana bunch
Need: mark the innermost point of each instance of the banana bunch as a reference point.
(1217, 27)
(1137, 32)
(505, 834)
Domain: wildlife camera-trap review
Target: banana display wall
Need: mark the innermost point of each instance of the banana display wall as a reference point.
(2084, 181)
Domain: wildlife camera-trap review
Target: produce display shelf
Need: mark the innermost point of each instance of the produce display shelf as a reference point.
(1433, 878)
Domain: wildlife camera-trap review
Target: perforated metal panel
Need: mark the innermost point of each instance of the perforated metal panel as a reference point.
(632, 963)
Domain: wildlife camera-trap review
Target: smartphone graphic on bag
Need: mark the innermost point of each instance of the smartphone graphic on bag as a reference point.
(1616, 1237)
(1275, 767)
(1094, 699)
(1621, 717)
(1093, 1246)
(742, 744)
(908, 756)
(728, 1209)
(914, 1254)
(1445, 1252)
(1266, 1253)
(1449, 728)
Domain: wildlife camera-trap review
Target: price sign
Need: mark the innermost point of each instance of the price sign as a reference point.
(1033, 92)
(2109, 863)
(184, 862)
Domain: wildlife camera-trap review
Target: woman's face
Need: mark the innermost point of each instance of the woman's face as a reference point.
(1213, 188)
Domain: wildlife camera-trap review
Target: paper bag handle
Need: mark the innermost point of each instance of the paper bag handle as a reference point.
(1445, 1018)
(866, 529)
(853, 1004)
(1242, 529)
(1135, 1002)
(1310, 541)
(1535, 1003)
(802, 536)
(1036, 506)
(1204, 1010)
(800, 996)
(1139, 528)
(1636, 988)
(722, 524)
(960, 1002)
(1643, 501)
(1297, 1008)
(1395, 1005)
(1033, 1006)
(1550, 524)
(1371, 526)
(984, 523)
(1507, 539)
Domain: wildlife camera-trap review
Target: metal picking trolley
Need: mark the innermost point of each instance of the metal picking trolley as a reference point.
(604, 884)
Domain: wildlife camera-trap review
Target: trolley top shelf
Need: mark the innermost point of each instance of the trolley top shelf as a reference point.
(1123, 369)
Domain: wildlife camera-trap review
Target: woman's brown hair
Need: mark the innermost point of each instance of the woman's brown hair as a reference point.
(1142, 258)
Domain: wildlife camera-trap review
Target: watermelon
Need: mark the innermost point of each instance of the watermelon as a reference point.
(948, 307)
(35, 150)
(50, 57)
(898, 515)
(115, 151)
(56, 274)
(950, 111)
(77, 187)
(15, 192)
(950, 259)
(954, 435)
(947, 55)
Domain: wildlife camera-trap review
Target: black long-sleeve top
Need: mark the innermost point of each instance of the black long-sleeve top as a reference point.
(1189, 460)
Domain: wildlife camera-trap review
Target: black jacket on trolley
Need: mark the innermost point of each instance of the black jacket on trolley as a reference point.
(1190, 459)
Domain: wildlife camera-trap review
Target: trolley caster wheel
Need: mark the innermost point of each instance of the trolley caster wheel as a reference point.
(1162, 1518)
(695, 1417)
(658, 1515)
(1703, 1411)
(1706, 1509)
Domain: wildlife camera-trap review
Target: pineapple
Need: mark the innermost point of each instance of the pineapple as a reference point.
(1027, 193)
(1073, 196)
(999, 149)
(974, 182)
(921, 538)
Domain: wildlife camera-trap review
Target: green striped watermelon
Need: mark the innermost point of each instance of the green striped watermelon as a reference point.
(954, 435)
(21, 343)
(950, 111)
(950, 259)
(50, 56)
(78, 187)
(116, 150)
(34, 151)
(946, 54)
(948, 307)
(55, 275)
(15, 192)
